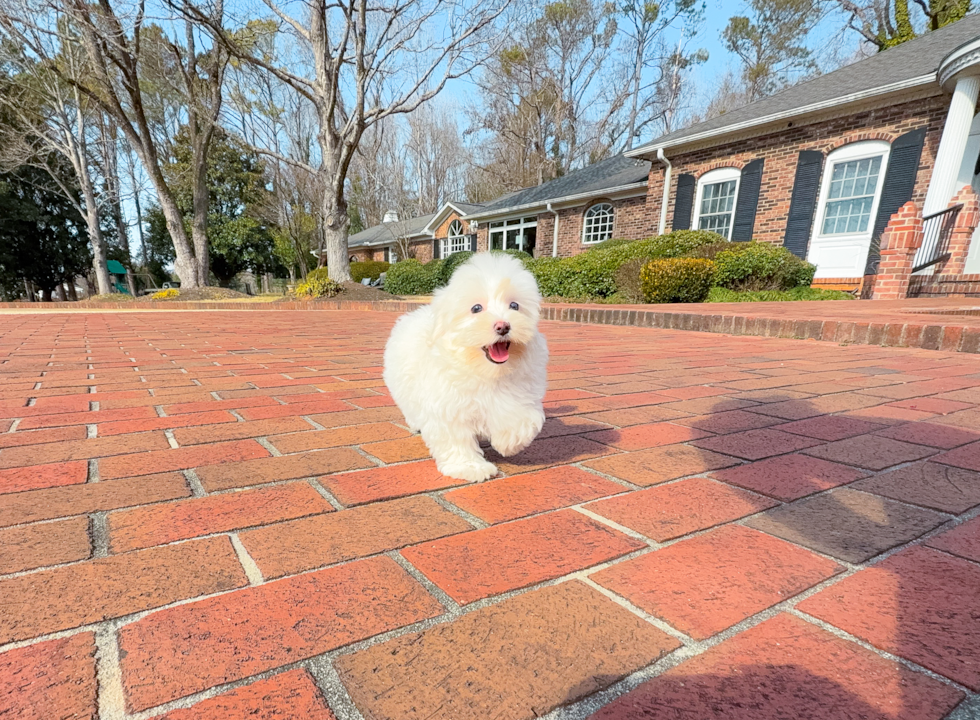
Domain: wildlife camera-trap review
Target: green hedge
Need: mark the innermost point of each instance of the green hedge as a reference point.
(718, 294)
(592, 274)
(410, 277)
(671, 280)
(369, 269)
(761, 266)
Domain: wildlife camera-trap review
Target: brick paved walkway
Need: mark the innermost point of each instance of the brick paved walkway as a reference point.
(214, 516)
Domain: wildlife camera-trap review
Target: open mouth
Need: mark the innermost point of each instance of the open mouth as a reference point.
(498, 352)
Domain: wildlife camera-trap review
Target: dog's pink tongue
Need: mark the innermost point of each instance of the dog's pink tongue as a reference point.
(499, 352)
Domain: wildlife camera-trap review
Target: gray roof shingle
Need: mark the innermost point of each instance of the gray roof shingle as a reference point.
(389, 232)
(910, 60)
(603, 175)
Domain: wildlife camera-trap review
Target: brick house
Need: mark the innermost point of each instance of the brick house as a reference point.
(428, 236)
(567, 215)
(821, 167)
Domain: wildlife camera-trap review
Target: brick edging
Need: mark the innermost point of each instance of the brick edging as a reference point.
(927, 336)
(949, 338)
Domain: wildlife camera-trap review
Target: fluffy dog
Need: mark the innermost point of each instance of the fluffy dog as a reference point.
(472, 365)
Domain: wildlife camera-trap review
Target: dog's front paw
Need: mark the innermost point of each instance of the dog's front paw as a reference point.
(512, 440)
(471, 471)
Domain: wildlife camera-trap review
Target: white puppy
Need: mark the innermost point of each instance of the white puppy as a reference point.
(472, 365)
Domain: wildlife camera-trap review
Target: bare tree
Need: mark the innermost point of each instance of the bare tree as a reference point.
(886, 23)
(112, 39)
(52, 117)
(368, 60)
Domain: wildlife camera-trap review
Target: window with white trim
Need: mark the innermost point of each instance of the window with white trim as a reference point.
(456, 240)
(852, 191)
(715, 204)
(598, 223)
(514, 234)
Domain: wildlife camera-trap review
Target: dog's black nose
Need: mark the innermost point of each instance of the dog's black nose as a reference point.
(501, 328)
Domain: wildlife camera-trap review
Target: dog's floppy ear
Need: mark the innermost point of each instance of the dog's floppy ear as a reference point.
(442, 313)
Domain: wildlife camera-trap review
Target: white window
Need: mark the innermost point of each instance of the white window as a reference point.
(715, 202)
(514, 234)
(391, 255)
(456, 240)
(598, 225)
(850, 192)
(853, 186)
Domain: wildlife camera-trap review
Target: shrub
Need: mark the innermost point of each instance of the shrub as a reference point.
(318, 285)
(718, 294)
(612, 242)
(761, 266)
(712, 249)
(628, 285)
(677, 280)
(449, 265)
(592, 274)
(410, 277)
(168, 294)
(524, 257)
(370, 269)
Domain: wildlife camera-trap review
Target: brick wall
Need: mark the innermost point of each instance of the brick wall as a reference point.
(632, 219)
(781, 151)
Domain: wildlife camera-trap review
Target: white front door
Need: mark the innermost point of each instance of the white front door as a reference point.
(849, 196)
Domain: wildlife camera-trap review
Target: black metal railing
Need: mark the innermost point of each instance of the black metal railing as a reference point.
(937, 229)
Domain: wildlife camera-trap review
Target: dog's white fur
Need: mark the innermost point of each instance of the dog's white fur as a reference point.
(445, 384)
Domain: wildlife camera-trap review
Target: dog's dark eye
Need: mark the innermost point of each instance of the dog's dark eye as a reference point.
(515, 306)
(476, 308)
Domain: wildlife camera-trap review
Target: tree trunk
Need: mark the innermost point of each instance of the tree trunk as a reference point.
(335, 222)
(199, 221)
(45, 294)
(28, 291)
(72, 295)
(185, 265)
(99, 251)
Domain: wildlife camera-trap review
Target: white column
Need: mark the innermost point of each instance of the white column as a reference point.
(956, 131)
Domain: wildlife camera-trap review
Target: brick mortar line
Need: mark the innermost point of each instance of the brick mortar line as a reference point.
(98, 532)
(322, 491)
(111, 702)
(249, 565)
(476, 522)
(844, 635)
(193, 481)
(451, 606)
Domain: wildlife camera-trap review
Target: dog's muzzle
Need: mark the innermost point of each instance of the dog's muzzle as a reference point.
(498, 353)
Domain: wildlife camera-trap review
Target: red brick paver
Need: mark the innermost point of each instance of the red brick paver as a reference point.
(511, 556)
(237, 516)
(188, 648)
(707, 584)
(786, 668)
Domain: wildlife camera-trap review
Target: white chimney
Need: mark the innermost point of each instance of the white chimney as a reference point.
(391, 216)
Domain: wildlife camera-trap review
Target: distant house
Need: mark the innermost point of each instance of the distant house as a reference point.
(822, 166)
(569, 214)
(428, 236)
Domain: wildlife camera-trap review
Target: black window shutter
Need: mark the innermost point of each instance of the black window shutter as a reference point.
(803, 203)
(903, 166)
(747, 201)
(473, 242)
(683, 202)
(435, 249)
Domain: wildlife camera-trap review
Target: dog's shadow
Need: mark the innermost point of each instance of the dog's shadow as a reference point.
(559, 442)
